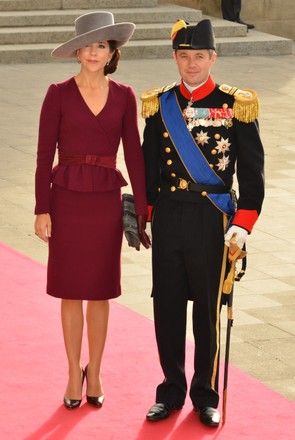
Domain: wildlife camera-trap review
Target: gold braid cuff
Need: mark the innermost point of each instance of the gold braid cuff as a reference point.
(150, 100)
(246, 105)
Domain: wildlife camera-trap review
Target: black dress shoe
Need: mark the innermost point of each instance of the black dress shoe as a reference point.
(94, 400)
(74, 403)
(161, 411)
(249, 26)
(209, 416)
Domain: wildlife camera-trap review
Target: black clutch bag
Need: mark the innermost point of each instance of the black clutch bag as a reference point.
(129, 221)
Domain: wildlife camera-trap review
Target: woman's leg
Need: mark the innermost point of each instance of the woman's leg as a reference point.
(97, 324)
(72, 324)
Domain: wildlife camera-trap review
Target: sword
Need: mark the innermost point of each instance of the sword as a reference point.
(234, 254)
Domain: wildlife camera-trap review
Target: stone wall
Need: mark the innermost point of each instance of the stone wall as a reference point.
(275, 17)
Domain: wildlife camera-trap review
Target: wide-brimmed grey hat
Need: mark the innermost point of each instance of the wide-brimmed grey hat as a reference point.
(92, 27)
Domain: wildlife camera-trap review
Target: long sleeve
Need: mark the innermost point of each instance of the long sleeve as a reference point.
(133, 154)
(250, 174)
(151, 150)
(48, 138)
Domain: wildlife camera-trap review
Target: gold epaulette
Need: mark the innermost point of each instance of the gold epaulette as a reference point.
(246, 105)
(150, 100)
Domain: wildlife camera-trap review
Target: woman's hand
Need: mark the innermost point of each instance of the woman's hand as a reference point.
(144, 238)
(43, 226)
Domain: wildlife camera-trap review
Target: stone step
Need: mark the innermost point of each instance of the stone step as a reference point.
(59, 34)
(29, 36)
(162, 13)
(256, 44)
(28, 5)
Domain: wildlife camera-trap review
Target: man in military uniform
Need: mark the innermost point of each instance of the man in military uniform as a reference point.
(197, 135)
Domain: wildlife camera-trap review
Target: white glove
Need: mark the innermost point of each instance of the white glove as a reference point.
(241, 236)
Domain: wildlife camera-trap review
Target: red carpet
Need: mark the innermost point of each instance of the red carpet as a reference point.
(33, 376)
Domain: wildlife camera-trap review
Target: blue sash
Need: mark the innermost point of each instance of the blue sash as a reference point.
(189, 153)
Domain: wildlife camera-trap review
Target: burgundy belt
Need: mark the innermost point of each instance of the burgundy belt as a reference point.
(65, 158)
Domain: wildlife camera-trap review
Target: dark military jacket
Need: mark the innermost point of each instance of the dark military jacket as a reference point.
(230, 146)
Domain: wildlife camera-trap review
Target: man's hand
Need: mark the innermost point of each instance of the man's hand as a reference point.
(144, 238)
(43, 227)
(241, 236)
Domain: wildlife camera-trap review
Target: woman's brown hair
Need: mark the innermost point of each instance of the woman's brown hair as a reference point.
(113, 64)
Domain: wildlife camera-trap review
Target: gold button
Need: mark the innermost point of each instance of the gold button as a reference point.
(204, 193)
(217, 136)
(173, 175)
(159, 189)
(168, 150)
(211, 165)
(225, 105)
(165, 134)
(169, 162)
(213, 151)
(183, 184)
(173, 188)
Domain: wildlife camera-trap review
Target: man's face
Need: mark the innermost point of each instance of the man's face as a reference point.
(194, 65)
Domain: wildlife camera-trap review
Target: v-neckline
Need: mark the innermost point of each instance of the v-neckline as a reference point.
(85, 103)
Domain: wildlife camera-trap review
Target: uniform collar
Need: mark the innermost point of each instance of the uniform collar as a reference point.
(200, 92)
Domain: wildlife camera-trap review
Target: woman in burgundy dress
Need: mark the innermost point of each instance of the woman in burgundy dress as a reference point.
(78, 202)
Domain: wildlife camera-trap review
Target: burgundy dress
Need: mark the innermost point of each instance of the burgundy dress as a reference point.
(84, 199)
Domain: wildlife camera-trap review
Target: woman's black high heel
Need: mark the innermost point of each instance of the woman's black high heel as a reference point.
(93, 400)
(74, 403)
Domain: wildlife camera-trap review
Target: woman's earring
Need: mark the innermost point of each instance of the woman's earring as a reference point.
(78, 60)
(108, 63)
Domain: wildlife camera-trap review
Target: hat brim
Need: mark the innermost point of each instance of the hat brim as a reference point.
(120, 33)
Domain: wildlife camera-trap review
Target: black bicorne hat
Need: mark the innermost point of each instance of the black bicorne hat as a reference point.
(199, 36)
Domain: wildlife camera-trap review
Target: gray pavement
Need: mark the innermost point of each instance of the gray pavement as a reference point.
(263, 336)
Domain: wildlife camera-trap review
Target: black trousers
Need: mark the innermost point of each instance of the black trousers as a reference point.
(188, 254)
(231, 9)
